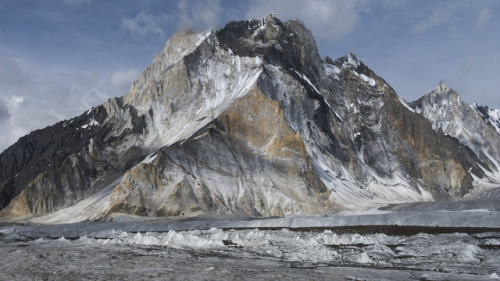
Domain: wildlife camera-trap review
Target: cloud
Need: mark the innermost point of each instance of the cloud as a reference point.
(329, 20)
(484, 17)
(33, 97)
(203, 14)
(121, 80)
(435, 18)
(189, 14)
(145, 24)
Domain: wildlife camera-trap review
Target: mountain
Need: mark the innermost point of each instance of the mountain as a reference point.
(474, 126)
(245, 120)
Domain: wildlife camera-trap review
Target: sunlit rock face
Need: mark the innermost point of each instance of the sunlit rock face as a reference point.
(249, 120)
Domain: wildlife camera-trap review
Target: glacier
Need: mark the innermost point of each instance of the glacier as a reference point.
(286, 249)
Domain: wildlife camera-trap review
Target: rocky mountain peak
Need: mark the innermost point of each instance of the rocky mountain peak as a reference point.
(472, 126)
(350, 61)
(351, 65)
(247, 119)
(440, 105)
(442, 88)
(289, 44)
(445, 95)
(272, 18)
(442, 101)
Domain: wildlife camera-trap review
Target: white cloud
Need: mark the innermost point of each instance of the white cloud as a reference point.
(144, 24)
(33, 97)
(435, 18)
(330, 20)
(121, 80)
(203, 14)
(484, 17)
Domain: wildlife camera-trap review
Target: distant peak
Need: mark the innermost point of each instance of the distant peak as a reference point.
(270, 19)
(442, 88)
(348, 61)
(351, 60)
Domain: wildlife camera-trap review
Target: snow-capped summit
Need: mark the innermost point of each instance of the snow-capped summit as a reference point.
(350, 60)
(441, 88)
(249, 120)
(472, 126)
(442, 101)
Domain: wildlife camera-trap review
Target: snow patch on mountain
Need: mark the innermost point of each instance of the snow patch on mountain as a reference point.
(304, 77)
(332, 70)
(403, 102)
(367, 79)
(217, 82)
(370, 81)
(92, 122)
(150, 158)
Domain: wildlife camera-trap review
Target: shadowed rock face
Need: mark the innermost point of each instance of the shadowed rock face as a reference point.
(247, 120)
(45, 150)
(82, 172)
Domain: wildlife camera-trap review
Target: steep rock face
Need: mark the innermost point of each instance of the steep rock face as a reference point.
(394, 157)
(245, 120)
(434, 161)
(108, 149)
(45, 150)
(314, 100)
(156, 112)
(247, 161)
(451, 115)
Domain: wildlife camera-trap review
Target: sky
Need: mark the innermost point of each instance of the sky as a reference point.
(59, 58)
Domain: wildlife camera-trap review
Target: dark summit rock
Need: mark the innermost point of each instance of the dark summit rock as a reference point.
(290, 44)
